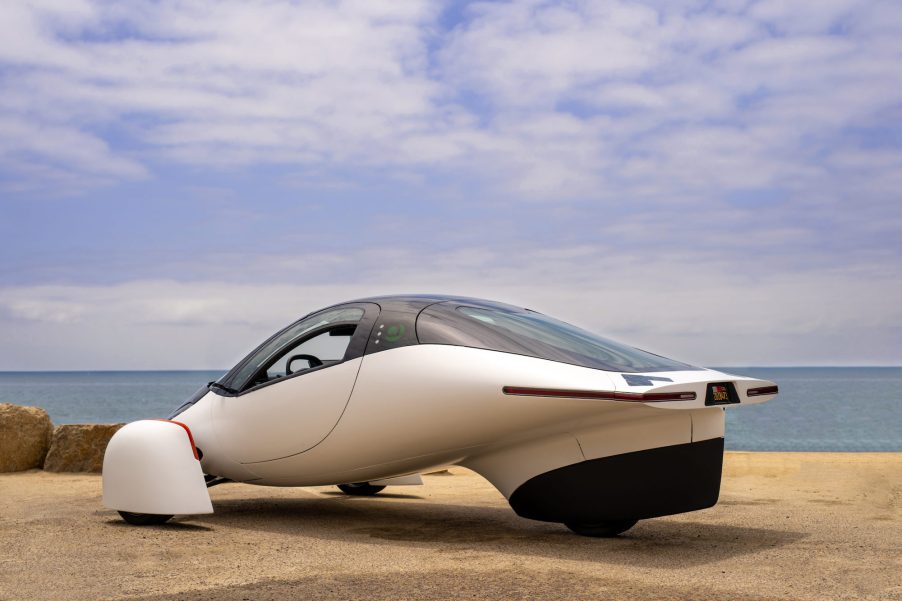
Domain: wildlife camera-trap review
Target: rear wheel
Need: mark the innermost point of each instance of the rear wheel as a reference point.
(360, 489)
(143, 519)
(602, 529)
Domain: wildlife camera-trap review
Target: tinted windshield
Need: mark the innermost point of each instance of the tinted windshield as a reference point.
(529, 333)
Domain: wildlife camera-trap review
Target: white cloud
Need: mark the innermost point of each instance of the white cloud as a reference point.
(568, 96)
(66, 147)
(705, 95)
(799, 18)
(645, 121)
(45, 309)
(262, 82)
(534, 52)
(702, 310)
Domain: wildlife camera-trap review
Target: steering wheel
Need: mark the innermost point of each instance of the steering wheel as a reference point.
(313, 361)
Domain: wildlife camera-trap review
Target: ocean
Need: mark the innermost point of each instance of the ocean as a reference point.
(818, 409)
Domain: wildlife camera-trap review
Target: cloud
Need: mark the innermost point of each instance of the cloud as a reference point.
(219, 82)
(537, 99)
(532, 53)
(699, 101)
(701, 310)
(65, 148)
(727, 168)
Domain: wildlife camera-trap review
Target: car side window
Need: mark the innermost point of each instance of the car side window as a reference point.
(326, 348)
(525, 332)
(328, 332)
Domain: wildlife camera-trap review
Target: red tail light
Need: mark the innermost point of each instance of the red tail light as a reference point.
(761, 391)
(639, 397)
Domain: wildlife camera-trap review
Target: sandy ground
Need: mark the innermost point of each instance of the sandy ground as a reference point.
(788, 526)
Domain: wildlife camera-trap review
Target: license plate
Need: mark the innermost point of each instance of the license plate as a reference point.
(721, 393)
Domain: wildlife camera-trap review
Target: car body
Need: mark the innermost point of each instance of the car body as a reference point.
(568, 426)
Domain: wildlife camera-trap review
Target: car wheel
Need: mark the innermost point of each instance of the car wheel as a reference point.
(143, 519)
(603, 529)
(361, 489)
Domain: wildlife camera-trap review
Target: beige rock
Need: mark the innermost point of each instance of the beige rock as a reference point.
(24, 437)
(79, 447)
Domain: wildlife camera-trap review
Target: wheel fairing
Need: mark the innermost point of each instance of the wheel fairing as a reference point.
(149, 467)
(639, 485)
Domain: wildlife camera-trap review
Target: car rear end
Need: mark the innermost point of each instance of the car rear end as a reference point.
(661, 455)
(652, 445)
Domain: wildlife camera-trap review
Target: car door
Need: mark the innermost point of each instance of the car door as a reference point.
(292, 390)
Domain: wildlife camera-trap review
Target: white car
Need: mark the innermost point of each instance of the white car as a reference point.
(568, 426)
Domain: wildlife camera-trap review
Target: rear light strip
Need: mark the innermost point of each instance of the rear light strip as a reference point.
(639, 397)
(763, 390)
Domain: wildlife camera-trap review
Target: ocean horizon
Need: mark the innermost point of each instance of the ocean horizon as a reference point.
(820, 408)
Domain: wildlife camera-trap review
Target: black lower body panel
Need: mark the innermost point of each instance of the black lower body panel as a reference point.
(639, 485)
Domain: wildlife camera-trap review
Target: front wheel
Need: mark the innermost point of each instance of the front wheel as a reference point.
(603, 529)
(143, 519)
(360, 489)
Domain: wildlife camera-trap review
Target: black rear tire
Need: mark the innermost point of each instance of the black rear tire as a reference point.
(360, 489)
(602, 529)
(144, 519)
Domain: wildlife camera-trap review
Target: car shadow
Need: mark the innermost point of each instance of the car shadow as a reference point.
(497, 583)
(172, 524)
(672, 542)
(382, 495)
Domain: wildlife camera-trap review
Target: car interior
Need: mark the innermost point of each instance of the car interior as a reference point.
(320, 348)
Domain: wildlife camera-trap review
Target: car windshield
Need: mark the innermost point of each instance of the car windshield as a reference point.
(529, 333)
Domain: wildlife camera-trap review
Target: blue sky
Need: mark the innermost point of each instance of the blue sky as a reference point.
(716, 181)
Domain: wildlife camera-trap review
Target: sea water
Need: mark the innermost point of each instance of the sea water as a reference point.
(818, 409)
(821, 409)
(82, 397)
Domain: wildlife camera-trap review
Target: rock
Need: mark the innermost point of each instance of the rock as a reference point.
(24, 437)
(79, 447)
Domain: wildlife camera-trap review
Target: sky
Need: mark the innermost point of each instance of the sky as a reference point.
(718, 181)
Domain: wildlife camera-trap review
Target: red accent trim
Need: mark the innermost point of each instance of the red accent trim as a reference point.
(761, 391)
(188, 430)
(639, 397)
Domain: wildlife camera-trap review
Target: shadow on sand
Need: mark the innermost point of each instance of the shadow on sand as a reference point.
(170, 525)
(403, 519)
(505, 584)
